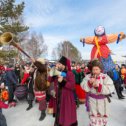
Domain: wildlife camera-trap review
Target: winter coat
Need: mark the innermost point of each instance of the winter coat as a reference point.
(65, 104)
(79, 75)
(10, 78)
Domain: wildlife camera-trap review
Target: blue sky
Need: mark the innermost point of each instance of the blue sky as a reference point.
(60, 20)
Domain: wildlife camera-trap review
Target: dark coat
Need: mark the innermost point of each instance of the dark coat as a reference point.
(10, 78)
(2, 78)
(17, 71)
(30, 84)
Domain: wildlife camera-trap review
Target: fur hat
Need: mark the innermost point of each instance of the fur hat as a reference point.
(66, 62)
(63, 60)
(41, 60)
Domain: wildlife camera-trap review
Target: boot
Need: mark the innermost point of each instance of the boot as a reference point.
(122, 94)
(121, 97)
(30, 106)
(43, 115)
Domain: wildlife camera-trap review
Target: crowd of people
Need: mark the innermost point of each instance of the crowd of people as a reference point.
(60, 88)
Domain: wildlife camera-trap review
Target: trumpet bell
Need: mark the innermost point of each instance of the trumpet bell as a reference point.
(6, 38)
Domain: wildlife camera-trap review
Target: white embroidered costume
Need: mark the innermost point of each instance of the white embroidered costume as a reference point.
(98, 99)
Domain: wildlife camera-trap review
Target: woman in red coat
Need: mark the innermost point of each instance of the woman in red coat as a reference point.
(26, 74)
(79, 75)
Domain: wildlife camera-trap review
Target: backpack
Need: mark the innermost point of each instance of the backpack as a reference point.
(21, 92)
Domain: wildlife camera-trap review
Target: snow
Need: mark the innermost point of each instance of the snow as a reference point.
(18, 116)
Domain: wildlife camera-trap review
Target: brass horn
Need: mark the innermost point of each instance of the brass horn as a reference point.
(7, 38)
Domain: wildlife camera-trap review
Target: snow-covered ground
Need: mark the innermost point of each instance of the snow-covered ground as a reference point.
(18, 116)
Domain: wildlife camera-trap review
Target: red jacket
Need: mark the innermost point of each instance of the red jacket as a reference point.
(25, 77)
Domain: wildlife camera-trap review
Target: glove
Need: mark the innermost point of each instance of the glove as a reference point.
(55, 72)
(63, 74)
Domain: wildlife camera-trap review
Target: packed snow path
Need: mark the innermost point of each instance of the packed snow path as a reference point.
(18, 116)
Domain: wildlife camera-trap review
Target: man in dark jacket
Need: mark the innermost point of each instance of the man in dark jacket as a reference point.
(11, 81)
(30, 84)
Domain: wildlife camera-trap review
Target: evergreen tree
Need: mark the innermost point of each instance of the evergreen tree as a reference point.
(11, 21)
(11, 17)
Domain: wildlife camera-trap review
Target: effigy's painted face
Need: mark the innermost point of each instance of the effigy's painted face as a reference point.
(99, 31)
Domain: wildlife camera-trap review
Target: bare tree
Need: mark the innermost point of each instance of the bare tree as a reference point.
(35, 45)
(67, 49)
(54, 54)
